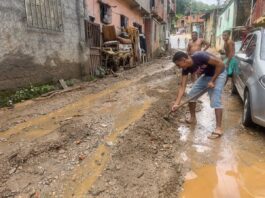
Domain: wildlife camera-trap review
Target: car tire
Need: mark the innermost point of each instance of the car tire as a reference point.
(246, 118)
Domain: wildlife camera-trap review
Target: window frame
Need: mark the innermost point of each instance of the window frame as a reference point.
(126, 21)
(102, 15)
(252, 37)
(46, 15)
(262, 50)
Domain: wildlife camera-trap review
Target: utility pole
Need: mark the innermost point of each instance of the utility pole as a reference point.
(191, 16)
(216, 20)
(251, 12)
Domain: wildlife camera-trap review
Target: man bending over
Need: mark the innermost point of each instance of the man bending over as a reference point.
(213, 76)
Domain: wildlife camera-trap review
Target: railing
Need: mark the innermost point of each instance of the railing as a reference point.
(92, 31)
(258, 11)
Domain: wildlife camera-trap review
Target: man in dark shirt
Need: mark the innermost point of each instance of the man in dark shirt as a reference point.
(213, 76)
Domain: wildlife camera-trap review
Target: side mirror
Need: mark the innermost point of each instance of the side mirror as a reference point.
(243, 57)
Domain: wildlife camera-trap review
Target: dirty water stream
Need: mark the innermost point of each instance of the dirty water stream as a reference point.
(230, 167)
(126, 117)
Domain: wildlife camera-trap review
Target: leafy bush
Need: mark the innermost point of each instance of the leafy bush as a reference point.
(8, 99)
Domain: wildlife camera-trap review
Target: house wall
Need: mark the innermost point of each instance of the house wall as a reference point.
(120, 7)
(258, 15)
(226, 21)
(32, 56)
(210, 28)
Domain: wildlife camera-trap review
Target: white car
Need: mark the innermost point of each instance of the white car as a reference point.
(249, 79)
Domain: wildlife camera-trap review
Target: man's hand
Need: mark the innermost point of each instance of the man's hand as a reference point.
(175, 107)
(211, 85)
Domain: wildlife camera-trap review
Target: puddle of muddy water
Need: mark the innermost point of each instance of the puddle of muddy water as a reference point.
(230, 171)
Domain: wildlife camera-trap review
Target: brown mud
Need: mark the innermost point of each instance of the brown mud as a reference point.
(109, 139)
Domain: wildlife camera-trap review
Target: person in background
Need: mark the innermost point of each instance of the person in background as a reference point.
(196, 44)
(229, 49)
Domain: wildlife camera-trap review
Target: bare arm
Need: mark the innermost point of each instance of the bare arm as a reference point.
(207, 45)
(219, 68)
(189, 49)
(182, 89)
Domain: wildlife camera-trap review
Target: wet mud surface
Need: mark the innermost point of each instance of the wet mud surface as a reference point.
(109, 139)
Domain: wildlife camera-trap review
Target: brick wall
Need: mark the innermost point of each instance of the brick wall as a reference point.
(33, 56)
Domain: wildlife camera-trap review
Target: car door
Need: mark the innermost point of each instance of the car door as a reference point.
(246, 63)
(239, 75)
(245, 60)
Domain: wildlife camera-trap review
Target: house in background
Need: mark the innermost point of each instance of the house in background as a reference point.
(190, 23)
(235, 13)
(41, 42)
(210, 23)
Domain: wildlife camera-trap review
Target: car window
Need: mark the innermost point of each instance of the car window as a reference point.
(250, 48)
(262, 51)
(246, 42)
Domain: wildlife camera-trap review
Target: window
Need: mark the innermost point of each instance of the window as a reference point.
(152, 4)
(124, 21)
(249, 45)
(44, 14)
(139, 27)
(105, 13)
(246, 43)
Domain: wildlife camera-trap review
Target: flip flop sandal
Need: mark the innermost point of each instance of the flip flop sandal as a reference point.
(214, 136)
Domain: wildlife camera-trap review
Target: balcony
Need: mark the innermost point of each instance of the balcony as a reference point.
(141, 5)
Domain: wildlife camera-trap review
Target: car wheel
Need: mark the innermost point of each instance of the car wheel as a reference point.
(246, 119)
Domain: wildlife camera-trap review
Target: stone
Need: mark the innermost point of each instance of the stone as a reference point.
(61, 151)
(13, 170)
(110, 144)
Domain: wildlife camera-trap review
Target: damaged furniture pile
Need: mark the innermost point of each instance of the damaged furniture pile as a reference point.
(121, 50)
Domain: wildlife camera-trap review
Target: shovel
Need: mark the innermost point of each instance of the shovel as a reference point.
(196, 96)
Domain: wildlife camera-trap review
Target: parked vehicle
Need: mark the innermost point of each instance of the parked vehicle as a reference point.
(249, 80)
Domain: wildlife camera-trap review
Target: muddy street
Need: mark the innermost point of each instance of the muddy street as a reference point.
(108, 138)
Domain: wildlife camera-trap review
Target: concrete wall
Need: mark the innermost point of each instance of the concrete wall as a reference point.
(32, 56)
(210, 27)
(145, 4)
(226, 21)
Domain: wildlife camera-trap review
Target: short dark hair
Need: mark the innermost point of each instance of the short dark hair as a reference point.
(227, 31)
(179, 55)
(194, 32)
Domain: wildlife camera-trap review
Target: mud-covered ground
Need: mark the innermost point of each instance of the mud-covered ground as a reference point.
(63, 145)
(108, 139)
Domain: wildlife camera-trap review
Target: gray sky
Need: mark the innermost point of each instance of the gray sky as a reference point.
(210, 1)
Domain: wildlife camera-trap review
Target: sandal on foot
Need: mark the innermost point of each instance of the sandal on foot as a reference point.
(214, 136)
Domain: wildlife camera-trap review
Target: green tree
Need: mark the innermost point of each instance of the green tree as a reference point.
(186, 6)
